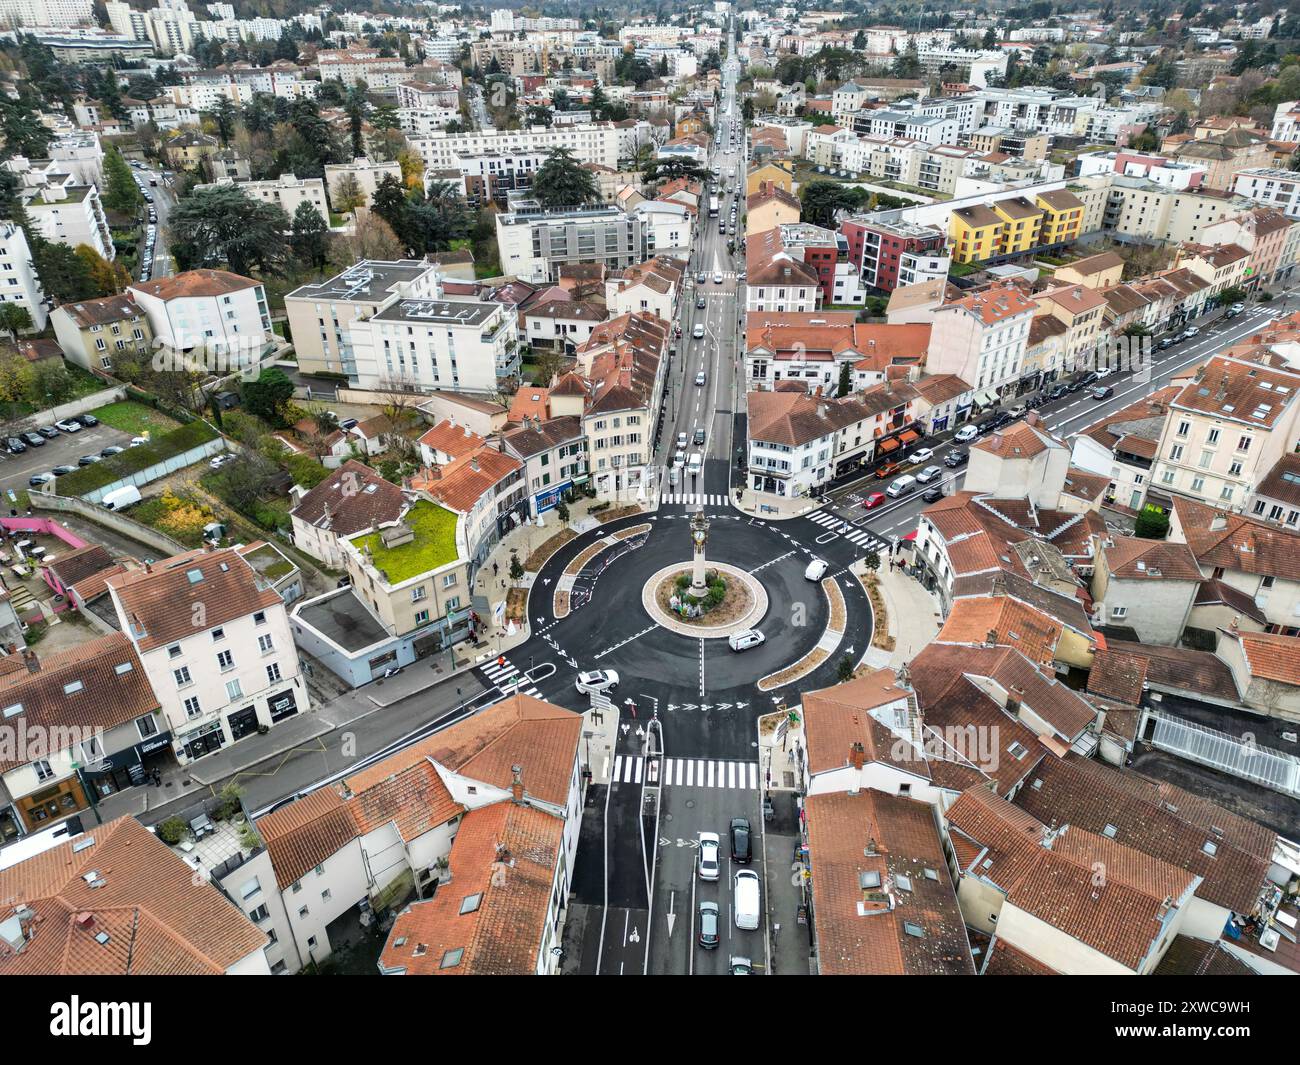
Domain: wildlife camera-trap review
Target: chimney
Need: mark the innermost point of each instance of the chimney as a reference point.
(32, 659)
(517, 785)
(85, 921)
(857, 754)
(473, 463)
(148, 566)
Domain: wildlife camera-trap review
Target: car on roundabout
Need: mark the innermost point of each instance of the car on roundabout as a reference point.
(743, 641)
(597, 681)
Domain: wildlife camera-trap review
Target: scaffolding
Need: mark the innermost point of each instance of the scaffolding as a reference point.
(1241, 757)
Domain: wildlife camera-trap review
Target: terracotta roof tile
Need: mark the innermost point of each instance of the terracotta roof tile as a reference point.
(911, 924)
(196, 283)
(838, 718)
(159, 919)
(305, 833)
(1272, 656)
(350, 500)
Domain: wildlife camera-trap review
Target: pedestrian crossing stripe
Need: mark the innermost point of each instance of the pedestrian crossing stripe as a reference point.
(509, 680)
(690, 773)
(701, 498)
(854, 535)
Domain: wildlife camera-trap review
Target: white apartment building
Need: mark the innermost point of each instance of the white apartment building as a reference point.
(214, 310)
(1286, 121)
(1272, 187)
(53, 14)
(81, 155)
(286, 192)
(321, 314)
(887, 124)
(126, 21)
(436, 344)
(70, 214)
(354, 65)
(533, 243)
(18, 281)
(982, 339)
(240, 84)
(595, 143)
(972, 67)
(215, 642)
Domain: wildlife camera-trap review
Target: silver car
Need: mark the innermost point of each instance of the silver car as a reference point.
(928, 474)
(710, 863)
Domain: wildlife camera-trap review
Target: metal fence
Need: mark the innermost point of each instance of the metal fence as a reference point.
(1241, 757)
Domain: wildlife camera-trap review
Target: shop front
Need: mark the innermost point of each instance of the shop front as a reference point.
(42, 808)
(282, 705)
(203, 740)
(242, 723)
(127, 768)
(550, 497)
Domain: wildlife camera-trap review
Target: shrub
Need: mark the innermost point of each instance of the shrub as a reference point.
(172, 831)
(230, 805)
(1151, 524)
(683, 581)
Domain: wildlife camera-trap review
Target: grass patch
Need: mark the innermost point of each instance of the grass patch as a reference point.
(135, 459)
(963, 269)
(135, 418)
(434, 544)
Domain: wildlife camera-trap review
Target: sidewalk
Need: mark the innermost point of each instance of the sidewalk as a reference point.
(914, 615)
(773, 508)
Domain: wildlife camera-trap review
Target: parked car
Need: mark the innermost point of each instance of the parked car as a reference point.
(1103, 392)
(743, 641)
(888, 470)
(1104, 371)
(38, 479)
(1062, 390)
(1191, 331)
(748, 901)
(88, 460)
(874, 500)
(928, 474)
(33, 439)
(956, 458)
(710, 864)
(921, 454)
(709, 931)
(62, 469)
(1167, 342)
(48, 431)
(596, 681)
(15, 445)
(966, 433)
(68, 426)
(121, 498)
(111, 450)
(741, 841)
(220, 460)
(932, 495)
(137, 441)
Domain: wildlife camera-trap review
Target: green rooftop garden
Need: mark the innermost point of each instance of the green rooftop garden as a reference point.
(434, 544)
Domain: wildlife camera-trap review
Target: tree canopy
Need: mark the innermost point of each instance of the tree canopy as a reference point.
(223, 226)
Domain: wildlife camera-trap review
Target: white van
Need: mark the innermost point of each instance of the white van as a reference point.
(121, 498)
(748, 911)
(901, 486)
(695, 463)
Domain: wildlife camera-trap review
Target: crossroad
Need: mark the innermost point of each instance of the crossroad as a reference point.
(858, 537)
(689, 773)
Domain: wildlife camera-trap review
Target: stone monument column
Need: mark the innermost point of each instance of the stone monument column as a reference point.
(699, 537)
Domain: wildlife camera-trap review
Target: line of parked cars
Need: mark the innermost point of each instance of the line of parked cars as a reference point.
(745, 883)
(151, 230)
(16, 445)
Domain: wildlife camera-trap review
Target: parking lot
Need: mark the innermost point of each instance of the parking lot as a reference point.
(65, 449)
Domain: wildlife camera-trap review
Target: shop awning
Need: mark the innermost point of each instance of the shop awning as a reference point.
(887, 445)
(908, 436)
(987, 397)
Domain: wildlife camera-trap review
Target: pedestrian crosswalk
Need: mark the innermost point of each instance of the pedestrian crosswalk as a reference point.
(703, 499)
(689, 773)
(502, 672)
(858, 537)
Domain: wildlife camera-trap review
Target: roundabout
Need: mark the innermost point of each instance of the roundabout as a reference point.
(742, 608)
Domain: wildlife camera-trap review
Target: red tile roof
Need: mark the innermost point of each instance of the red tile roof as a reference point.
(160, 920)
(196, 283)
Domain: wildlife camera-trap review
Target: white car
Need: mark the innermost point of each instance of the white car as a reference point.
(219, 461)
(709, 862)
(679, 460)
(681, 441)
(68, 426)
(600, 680)
(816, 570)
(966, 434)
(698, 331)
(138, 441)
(1104, 371)
(928, 474)
(743, 641)
(717, 278)
(700, 378)
(924, 454)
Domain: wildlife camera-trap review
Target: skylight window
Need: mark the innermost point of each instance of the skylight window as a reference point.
(869, 881)
(194, 575)
(123, 667)
(73, 688)
(904, 882)
(452, 958)
(470, 903)
(1109, 831)
(913, 929)
(14, 710)
(931, 874)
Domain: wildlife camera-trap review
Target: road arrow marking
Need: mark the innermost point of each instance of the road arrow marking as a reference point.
(664, 841)
(672, 916)
(546, 580)
(689, 706)
(741, 706)
(724, 706)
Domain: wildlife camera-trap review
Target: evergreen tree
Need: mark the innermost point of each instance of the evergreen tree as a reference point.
(309, 236)
(561, 181)
(222, 225)
(121, 194)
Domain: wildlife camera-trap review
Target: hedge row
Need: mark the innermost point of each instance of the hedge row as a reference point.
(133, 460)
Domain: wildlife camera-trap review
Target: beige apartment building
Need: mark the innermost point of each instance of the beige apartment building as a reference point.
(1139, 210)
(286, 192)
(1221, 266)
(1082, 311)
(1226, 430)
